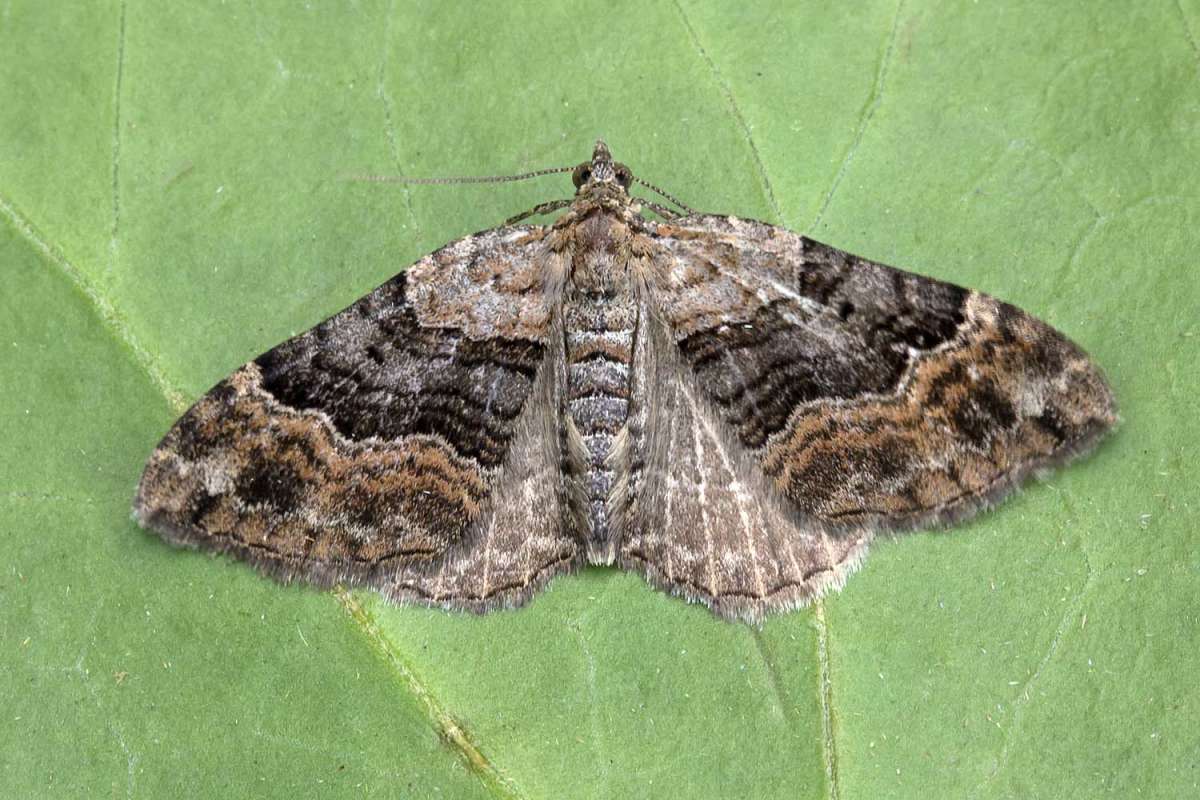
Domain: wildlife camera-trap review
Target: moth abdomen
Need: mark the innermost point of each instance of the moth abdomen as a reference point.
(599, 347)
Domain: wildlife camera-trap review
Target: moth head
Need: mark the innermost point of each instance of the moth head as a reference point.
(601, 169)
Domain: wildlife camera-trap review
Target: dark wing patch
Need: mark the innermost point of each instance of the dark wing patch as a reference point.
(375, 448)
(867, 394)
(376, 372)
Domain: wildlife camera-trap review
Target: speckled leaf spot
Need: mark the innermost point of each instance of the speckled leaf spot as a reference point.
(724, 406)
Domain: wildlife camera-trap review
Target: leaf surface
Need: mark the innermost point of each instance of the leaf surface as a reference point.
(171, 204)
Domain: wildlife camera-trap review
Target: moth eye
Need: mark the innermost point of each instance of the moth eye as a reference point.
(624, 176)
(581, 175)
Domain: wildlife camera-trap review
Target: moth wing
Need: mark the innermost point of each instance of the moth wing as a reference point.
(830, 397)
(406, 443)
(696, 516)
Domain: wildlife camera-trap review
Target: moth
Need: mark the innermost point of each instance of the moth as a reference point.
(728, 408)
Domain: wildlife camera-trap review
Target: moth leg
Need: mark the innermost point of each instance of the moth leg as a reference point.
(540, 208)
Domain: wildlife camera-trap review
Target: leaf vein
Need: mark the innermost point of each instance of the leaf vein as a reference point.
(868, 112)
(1073, 611)
(116, 144)
(1187, 31)
(385, 99)
(735, 111)
(105, 310)
(450, 730)
(828, 734)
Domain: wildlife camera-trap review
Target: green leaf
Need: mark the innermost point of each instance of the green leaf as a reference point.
(171, 205)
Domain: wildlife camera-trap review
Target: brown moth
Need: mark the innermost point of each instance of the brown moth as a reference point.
(726, 407)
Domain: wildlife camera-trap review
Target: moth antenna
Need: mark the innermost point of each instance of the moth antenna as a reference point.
(458, 179)
(540, 208)
(661, 193)
(668, 214)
